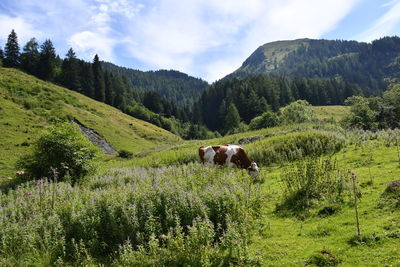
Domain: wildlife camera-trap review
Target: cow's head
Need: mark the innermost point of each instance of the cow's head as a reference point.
(253, 170)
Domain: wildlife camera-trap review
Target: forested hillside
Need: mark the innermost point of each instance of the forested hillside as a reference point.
(256, 94)
(370, 65)
(175, 86)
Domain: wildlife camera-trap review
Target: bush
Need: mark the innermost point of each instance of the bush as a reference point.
(125, 154)
(295, 146)
(391, 196)
(298, 112)
(266, 120)
(324, 258)
(61, 148)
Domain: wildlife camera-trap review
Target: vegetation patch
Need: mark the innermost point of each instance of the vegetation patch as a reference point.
(295, 146)
(323, 258)
(170, 216)
(309, 181)
(60, 152)
(391, 196)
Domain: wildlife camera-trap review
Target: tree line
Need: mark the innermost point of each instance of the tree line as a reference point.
(253, 95)
(90, 79)
(226, 106)
(175, 86)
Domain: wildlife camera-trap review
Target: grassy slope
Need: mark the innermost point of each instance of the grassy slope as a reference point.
(27, 105)
(267, 55)
(335, 113)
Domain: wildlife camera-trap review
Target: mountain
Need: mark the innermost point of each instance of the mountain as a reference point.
(175, 86)
(28, 105)
(369, 65)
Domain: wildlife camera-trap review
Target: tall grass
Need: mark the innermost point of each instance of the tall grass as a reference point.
(168, 216)
(295, 146)
(308, 181)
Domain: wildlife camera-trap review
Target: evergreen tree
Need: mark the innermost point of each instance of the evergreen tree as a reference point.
(99, 86)
(70, 71)
(120, 92)
(232, 118)
(11, 51)
(30, 56)
(110, 94)
(1, 57)
(87, 79)
(47, 61)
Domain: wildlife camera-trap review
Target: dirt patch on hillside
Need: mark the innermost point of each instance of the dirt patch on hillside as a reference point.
(95, 138)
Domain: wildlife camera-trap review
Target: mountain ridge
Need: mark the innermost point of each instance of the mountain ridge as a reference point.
(370, 65)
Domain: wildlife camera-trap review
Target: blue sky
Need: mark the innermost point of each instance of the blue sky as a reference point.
(204, 38)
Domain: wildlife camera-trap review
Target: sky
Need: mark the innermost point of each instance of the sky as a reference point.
(207, 39)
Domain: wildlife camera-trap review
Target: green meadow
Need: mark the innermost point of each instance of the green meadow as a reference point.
(163, 208)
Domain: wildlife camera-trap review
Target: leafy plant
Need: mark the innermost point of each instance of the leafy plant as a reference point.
(125, 154)
(298, 112)
(63, 148)
(324, 258)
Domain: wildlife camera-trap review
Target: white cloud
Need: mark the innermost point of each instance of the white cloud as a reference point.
(90, 43)
(385, 25)
(207, 38)
(174, 33)
(23, 29)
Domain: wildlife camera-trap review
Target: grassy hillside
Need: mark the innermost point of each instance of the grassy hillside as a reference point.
(27, 105)
(269, 56)
(335, 113)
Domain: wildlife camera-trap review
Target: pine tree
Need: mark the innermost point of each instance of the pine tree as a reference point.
(1, 57)
(232, 118)
(47, 61)
(87, 79)
(99, 86)
(70, 70)
(110, 94)
(30, 56)
(11, 51)
(120, 92)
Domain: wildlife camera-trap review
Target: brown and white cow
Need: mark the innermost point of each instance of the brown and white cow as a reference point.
(229, 155)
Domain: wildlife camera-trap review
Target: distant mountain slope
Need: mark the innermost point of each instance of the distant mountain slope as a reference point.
(175, 86)
(28, 105)
(370, 65)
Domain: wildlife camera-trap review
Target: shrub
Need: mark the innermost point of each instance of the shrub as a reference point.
(125, 154)
(266, 120)
(61, 147)
(310, 180)
(298, 112)
(391, 196)
(324, 258)
(295, 146)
